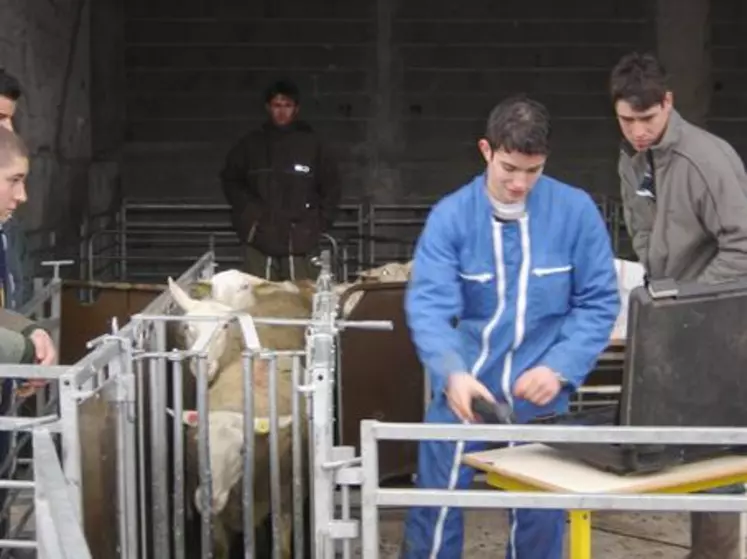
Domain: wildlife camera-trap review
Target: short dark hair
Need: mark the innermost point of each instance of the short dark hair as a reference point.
(11, 145)
(283, 87)
(9, 86)
(640, 80)
(519, 124)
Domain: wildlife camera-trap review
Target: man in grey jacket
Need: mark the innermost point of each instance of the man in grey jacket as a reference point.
(684, 194)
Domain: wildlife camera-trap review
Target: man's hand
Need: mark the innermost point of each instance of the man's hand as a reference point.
(30, 387)
(538, 385)
(461, 388)
(46, 354)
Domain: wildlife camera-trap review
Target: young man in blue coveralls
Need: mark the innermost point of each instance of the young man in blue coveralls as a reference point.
(523, 262)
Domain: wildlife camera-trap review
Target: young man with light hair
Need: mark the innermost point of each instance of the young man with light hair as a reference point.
(21, 340)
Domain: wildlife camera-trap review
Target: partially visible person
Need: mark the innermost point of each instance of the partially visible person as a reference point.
(10, 93)
(21, 340)
(283, 189)
(684, 193)
(11, 236)
(14, 168)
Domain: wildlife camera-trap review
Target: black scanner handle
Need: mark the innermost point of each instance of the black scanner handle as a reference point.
(495, 413)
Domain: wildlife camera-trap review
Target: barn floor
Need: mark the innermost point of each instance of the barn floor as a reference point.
(615, 535)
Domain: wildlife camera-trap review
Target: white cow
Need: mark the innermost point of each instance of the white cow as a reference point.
(225, 415)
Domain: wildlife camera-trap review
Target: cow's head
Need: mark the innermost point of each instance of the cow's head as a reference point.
(388, 273)
(240, 290)
(226, 442)
(212, 334)
(233, 288)
(226, 439)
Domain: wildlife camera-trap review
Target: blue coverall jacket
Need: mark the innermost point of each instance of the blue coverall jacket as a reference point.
(538, 291)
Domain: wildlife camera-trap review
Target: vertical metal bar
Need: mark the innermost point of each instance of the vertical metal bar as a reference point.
(179, 550)
(123, 242)
(298, 484)
(56, 313)
(121, 498)
(203, 450)
(274, 459)
(44, 537)
(89, 256)
(369, 488)
(42, 514)
(71, 439)
(159, 458)
(345, 264)
(371, 232)
(126, 529)
(144, 524)
(347, 542)
(247, 498)
(311, 448)
(338, 391)
(83, 236)
(128, 417)
(40, 313)
(322, 435)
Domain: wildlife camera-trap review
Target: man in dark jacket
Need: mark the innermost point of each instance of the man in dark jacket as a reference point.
(684, 194)
(283, 189)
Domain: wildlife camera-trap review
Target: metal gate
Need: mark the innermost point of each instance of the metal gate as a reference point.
(158, 527)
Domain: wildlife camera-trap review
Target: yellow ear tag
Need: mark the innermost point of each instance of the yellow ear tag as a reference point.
(261, 425)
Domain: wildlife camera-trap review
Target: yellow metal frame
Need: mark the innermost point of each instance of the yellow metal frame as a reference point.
(579, 537)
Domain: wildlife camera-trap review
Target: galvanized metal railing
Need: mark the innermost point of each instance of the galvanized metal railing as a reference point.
(374, 498)
(171, 233)
(58, 533)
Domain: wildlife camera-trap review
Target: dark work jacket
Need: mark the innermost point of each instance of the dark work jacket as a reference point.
(283, 189)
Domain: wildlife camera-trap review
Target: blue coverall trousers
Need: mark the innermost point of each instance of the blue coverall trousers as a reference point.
(438, 532)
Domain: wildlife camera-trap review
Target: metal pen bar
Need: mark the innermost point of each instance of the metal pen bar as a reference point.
(247, 495)
(34, 372)
(298, 485)
(117, 370)
(369, 490)
(50, 422)
(142, 488)
(126, 397)
(362, 324)
(18, 544)
(275, 485)
(178, 513)
(16, 484)
(158, 451)
(53, 490)
(203, 451)
(560, 433)
(487, 498)
(144, 356)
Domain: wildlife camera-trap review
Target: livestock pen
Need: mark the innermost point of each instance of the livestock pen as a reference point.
(116, 491)
(111, 422)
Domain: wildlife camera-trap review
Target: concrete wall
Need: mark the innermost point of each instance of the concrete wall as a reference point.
(728, 81)
(402, 88)
(45, 45)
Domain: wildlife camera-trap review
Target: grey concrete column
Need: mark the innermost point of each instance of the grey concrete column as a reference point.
(384, 138)
(683, 45)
